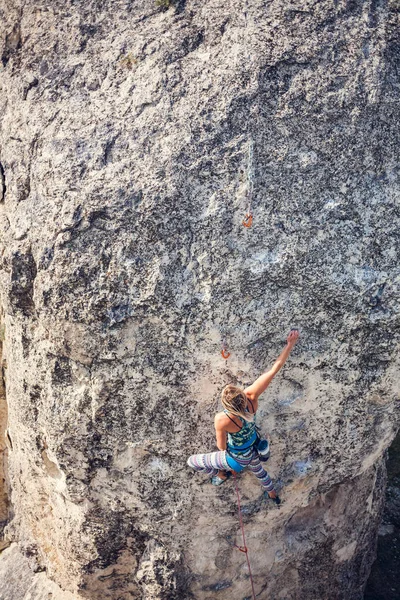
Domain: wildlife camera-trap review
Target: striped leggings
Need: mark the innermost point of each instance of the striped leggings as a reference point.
(212, 462)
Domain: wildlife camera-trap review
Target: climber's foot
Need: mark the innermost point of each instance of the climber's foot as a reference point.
(220, 478)
(274, 497)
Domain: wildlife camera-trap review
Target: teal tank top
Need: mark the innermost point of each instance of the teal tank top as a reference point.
(245, 435)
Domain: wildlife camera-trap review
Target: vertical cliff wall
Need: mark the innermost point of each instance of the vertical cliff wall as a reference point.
(124, 175)
(4, 485)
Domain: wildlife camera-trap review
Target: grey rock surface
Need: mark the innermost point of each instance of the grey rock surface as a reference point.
(5, 513)
(125, 131)
(19, 582)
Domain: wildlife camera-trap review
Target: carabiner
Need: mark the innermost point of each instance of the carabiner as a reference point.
(225, 354)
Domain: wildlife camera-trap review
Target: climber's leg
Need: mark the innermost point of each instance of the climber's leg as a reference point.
(212, 463)
(256, 467)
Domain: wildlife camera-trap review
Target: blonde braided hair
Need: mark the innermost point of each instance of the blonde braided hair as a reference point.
(234, 400)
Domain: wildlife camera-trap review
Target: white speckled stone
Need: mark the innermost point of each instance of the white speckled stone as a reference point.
(124, 142)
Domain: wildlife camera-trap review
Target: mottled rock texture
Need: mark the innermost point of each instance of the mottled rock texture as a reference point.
(20, 582)
(124, 138)
(4, 484)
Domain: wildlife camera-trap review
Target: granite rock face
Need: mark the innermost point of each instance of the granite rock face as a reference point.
(20, 582)
(131, 135)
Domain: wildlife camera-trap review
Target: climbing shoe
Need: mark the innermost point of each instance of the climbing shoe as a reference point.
(277, 500)
(218, 481)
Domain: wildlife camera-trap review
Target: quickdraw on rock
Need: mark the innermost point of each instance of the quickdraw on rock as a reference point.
(225, 354)
(248, 220)
(224, 351)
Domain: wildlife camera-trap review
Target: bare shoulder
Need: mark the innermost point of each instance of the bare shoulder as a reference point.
(221, 420)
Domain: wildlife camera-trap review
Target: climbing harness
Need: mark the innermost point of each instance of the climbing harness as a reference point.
(260, 445)
(248, 436)
(243, 548)
(262, 448)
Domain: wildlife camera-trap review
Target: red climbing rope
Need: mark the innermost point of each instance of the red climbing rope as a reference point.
(244, 547)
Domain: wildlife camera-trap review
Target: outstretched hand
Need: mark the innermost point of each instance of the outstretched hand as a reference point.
(261, 383)
(293, 337)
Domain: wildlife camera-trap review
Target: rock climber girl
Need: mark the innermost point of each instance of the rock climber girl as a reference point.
(236, 433)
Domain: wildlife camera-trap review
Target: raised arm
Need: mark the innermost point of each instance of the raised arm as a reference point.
(260, 385)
